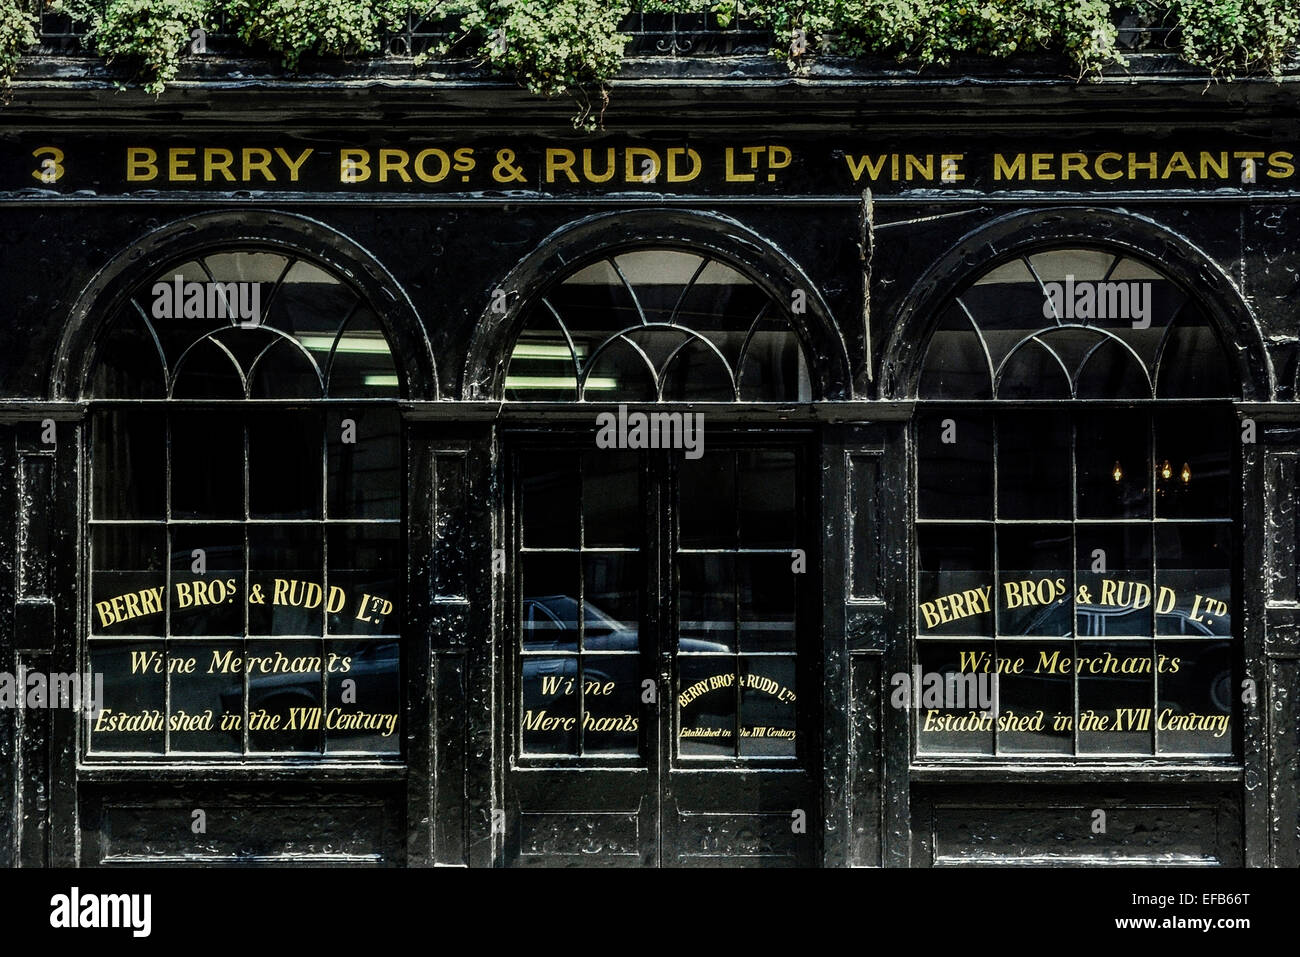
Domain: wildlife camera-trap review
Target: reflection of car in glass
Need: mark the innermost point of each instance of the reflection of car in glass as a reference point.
(374, 668)
(1093, 621)
(550, 623)
(1096, 621)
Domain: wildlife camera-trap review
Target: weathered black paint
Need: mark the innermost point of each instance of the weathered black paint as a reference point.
(755, 163)
(432, 262)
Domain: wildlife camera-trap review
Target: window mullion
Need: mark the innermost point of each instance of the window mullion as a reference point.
(167, 593)
(1155, 660)
(1074, 562)
(997, 571)
(580, 661)
(322, 429)
(248, 575)
(735, 593)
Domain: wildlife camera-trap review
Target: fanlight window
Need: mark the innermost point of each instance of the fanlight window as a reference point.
(658, 325)
(1075, 323)
(1075, 538)
(234, 325)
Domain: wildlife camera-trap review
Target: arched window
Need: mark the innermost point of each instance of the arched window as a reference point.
(1076, 499)
(245, 539)
(658, 325)
(659, 548)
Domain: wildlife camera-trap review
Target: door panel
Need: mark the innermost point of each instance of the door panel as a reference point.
(582, 785)
(660, 709)
(741, 786)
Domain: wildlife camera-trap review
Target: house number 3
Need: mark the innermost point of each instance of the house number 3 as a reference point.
(51, 168)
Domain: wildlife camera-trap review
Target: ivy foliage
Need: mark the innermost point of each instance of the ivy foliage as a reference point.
(150, 35)
(554, 47)
(934, 31)
(1234, 37)
(155, 35)
(17, 32)
(321, 27)
(575, 47)
(926, 31)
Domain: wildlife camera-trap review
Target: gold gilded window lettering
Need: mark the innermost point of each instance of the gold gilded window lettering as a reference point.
(246, 560)
(1075, 535)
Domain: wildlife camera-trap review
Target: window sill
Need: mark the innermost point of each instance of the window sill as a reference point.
(307, 772)
(1076, 772)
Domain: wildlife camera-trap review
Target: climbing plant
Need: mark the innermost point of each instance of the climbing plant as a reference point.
(553, 47)
(293, 28)
(930, 31)
(17, 32)
(148, 35)
(1235, 37)
(576, 47)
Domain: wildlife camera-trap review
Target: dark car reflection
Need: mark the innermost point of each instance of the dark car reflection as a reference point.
(1211, 669)
(550, 623)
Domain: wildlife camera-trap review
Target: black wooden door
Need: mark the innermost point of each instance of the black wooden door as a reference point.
(661, 675)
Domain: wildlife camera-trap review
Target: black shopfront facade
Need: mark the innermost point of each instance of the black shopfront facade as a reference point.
(431, 485)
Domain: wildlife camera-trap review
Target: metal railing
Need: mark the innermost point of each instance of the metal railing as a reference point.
(649, 35)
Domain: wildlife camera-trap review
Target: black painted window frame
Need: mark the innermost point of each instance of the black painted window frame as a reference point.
(1075, 409)
(328, 411)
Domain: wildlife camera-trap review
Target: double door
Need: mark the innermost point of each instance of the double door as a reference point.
(660, 674)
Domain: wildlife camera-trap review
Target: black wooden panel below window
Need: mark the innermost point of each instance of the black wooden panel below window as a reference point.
(1052, 825)
(244, 824)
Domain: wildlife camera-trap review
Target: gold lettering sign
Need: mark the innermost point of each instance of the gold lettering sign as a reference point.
(199, 593)
(841, 167)
(1030, 593)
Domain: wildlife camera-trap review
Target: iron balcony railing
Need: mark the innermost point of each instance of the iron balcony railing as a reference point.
(649, 35)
